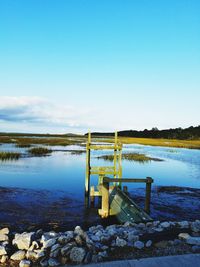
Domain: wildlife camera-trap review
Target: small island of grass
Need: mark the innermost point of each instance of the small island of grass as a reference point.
(131, 157)
(39, 151)
(9, 155)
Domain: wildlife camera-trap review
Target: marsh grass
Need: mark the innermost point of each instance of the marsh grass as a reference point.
(39, 151)
(142, 158)
(9, 156)
(50, 141)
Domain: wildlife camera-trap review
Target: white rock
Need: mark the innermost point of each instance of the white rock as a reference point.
(3, 237)
(138, 244)
(24, 263)
(4, 258)
(34, 246)
(77, 254)
(165, 224)
(2, 251)
(183, 236)
(4, 231)
(31, 255)
(23, 241)
(148, 244)
(121, 242)
(18, 256)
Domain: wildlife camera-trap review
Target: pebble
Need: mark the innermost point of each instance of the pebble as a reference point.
(138, 244)
(24, 263)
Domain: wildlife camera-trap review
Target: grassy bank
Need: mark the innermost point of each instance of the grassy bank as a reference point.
(193, 144)
(50, 141)
(9, 156)
(131, 157)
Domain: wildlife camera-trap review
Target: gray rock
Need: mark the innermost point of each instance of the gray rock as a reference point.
(193, 240)
(158, 229)
(132, 237)
(18, 256)
(65, 251)
(23, 241)
(103, 254)
(48, 243)
(195, 226)
(148, 244)
(165, 224)
(24, 263)
(53, 262)
(3, 237)
(44, 263)
(121, 242)
(77, 254)
(138, 244)
(183, 224)
(95, 238)
(78, 240)
(4, 231)
(195, 249)
(161, 244)
(3, 251)
(4, 259)
(64, 239)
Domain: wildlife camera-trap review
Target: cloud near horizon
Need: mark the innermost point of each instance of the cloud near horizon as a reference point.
(41, 112)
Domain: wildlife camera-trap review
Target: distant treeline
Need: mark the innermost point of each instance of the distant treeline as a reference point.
(177, 133)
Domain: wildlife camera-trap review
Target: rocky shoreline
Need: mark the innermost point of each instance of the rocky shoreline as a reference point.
(98, 243)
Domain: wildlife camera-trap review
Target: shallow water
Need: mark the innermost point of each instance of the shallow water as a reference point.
(64, 172)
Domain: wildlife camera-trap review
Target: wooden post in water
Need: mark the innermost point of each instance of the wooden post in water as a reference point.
(149, 181)
(104, 211)
(87, 176)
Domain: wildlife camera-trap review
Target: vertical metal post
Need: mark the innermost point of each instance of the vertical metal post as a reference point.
(149, 181)
(115, 156)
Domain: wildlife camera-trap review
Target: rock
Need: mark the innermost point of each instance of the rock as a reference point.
(88, 257)
(64, 239)
(4, 259)
(103, 254)
(44, 263)
(77, 254)
(34, 246)
(141, 225)
(195, 248)
(23, 241)
(193, 240)
(161, 244)
(24, 263)
(95, 238)
(4, 231)
(48, 243)
(183, 224)
(53, 262)
(3, 237)
(121, 242)
(132, 237)
(138, 244)
(195, 226)
(65, 251)
(78, 231)
(3, 251)
(31, 255)
(165, 224)
(158, 229)
(78, 240)
(183, 236)
(148, 244)
(63, 260)
(18, 256)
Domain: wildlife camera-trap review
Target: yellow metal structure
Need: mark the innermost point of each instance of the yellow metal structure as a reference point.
(101, 171)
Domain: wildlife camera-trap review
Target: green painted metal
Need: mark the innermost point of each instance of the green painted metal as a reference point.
(125, 209)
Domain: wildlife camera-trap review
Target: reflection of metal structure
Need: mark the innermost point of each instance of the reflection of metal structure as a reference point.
(115, 170)
(114, 201)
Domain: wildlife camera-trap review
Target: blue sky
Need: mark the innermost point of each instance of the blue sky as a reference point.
(74, 65)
